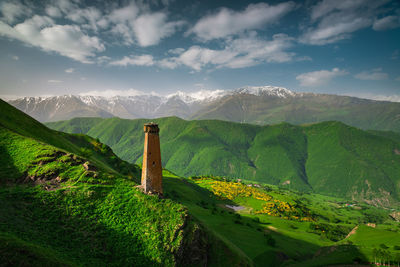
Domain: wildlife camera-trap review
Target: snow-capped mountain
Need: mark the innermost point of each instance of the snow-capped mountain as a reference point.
(257, 105)
(265, 91)
(138, 105)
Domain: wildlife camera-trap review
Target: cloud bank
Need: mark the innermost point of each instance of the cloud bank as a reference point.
(318, 78)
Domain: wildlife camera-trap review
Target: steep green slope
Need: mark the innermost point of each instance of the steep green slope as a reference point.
(346, 159)
(61, 208)
(305, 108)
(329, 157)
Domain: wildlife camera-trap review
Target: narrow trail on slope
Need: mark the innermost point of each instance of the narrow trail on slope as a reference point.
(352, 232)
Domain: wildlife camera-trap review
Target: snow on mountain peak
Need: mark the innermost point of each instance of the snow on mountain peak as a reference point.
(265, 90)
(95, 98)
(201, 95)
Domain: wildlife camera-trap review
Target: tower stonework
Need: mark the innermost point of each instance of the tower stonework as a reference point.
(151, 168)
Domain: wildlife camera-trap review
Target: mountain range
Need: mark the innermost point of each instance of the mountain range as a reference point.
(256, 105)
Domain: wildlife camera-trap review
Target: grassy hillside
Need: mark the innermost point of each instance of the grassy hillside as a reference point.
(329, 157)
(276, 227)
(61, 208)
(67, 200)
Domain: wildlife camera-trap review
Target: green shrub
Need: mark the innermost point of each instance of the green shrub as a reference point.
(383, 246)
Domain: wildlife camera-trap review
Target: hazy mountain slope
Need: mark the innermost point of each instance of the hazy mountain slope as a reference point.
(58, 108)
(329, 157)
(304, 108)
(257, 105)
(67, 200)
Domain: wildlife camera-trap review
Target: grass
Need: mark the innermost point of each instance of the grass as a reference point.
(89, 217)
(68, 200)
(295, 242)
(77, 203)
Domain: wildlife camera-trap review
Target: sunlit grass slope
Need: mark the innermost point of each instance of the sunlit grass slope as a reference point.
(277, 227)
(67, 200)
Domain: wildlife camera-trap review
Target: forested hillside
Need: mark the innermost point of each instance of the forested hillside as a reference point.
(329, 157)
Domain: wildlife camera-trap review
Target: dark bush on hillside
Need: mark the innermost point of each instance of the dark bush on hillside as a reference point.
(383, 246)
(396, 247)
(373, 216)
(357, 260)
(86, 152)
(214, 210)
(237, 222)
(203, 204)
(267, 188)
(270, 240)
(335, 220)
(332, 232)
(256, 219)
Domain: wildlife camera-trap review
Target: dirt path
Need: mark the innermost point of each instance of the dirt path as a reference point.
(352, 232)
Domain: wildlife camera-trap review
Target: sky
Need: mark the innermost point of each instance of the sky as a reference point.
(58, 47)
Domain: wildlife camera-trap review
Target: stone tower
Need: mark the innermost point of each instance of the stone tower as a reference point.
(151, 168)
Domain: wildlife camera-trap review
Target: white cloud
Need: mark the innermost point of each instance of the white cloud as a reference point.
(66, 6)
(397, 78)
(133, 24)
(372, 75)
(325, 7)
(53, 11)
(333, 30)
(228, 22)
(89, 15)
(67, 40)
(70, 70)
(15, 57)
(337, 20)
(54, 81)
(321, 77)
(237, 53)
(124, 14)
(386, 23)
(11, 11)
(151, 28)
(142, 60)
(168, 63)
(176, 51)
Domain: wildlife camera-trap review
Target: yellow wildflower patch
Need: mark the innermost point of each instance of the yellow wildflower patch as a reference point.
(272, 207)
